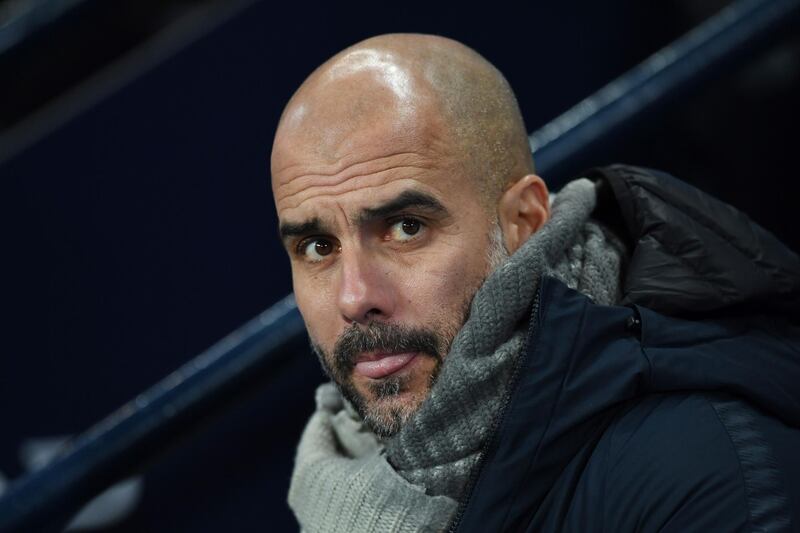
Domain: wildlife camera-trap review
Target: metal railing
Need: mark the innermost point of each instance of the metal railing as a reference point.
(255, 353)
(721, 42)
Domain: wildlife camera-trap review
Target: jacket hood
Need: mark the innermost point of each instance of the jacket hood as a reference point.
(690, 253)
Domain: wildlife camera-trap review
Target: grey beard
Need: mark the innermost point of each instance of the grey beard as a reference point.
(497, 253)
(384, 421)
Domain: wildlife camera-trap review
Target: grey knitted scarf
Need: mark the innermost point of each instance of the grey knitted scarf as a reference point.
(346, 480)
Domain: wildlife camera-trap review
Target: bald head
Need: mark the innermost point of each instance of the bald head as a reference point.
(406, 87)
(402, 177)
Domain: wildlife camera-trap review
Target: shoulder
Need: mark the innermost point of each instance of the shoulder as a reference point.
(667, 463)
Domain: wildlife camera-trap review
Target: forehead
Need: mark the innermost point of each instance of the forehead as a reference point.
(351, 140)
(371, 165)
(333, 107)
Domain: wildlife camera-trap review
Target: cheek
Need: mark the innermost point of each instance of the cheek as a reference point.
(316, 307)
(440, 287)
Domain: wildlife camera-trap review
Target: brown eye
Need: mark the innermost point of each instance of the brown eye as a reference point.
(406, 229)
(323, 247)
(410, 226)
(315, 250)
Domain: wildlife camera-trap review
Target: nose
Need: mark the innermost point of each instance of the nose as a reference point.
(365, 291)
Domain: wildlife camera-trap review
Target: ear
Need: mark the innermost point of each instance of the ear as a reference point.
(522, 210)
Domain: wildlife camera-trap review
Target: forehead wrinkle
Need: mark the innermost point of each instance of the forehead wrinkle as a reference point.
(330, 169)
(358, 161)
(346, 183)
(297, 205)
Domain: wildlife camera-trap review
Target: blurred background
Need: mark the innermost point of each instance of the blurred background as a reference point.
(138, 224)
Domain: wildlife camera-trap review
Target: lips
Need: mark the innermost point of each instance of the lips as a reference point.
(380, 365)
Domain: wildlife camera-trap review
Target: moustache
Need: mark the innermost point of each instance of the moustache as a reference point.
(382, 337)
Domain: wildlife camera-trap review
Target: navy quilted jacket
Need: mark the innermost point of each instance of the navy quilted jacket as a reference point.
(676, 411)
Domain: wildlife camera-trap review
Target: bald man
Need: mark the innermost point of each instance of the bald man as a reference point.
(500, 360)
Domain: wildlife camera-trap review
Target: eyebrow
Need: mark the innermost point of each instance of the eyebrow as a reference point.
(288, 230)
(405, 200)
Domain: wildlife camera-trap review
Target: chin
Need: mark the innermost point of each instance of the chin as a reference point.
(388, 404)
(386, 417)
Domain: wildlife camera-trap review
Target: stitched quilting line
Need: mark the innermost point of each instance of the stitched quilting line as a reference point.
(767, 503)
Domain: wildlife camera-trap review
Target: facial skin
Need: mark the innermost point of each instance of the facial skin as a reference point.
(388, 215)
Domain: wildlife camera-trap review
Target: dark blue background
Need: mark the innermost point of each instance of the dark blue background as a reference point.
(141, 231)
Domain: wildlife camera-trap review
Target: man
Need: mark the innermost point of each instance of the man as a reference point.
(632, 365)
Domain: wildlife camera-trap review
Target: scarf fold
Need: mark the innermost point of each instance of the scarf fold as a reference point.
(346, 480)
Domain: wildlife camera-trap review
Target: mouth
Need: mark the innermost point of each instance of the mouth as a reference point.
(381, 365)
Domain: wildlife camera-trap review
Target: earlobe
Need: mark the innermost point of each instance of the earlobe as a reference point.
(522, 210)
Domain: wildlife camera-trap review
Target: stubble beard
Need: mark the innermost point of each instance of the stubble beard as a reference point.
(386, 412)
(388, 402)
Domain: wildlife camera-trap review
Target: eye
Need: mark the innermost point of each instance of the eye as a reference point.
(405, 229)
(315, 249)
